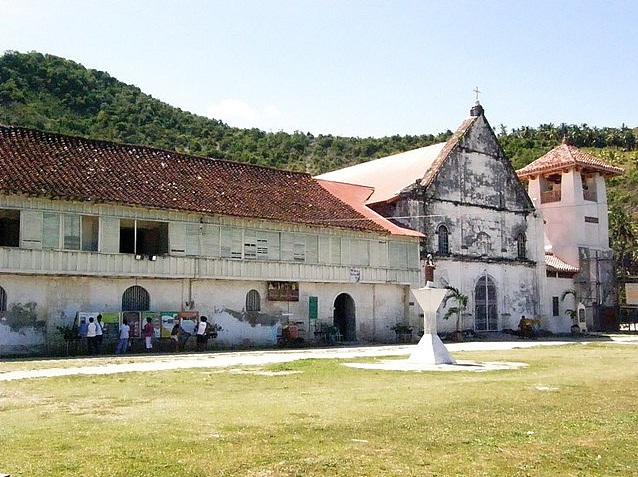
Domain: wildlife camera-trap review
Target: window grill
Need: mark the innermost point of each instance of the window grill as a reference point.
(444, 244)
(136, 298)
(253, 301)
(521, 245)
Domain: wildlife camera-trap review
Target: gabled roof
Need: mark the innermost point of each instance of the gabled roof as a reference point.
(356, 196)
(555, 264)
(36, 163)
(567, 156)
(452, 143)
(389, 175)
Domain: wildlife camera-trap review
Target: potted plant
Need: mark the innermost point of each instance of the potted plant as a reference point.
(457, 310)
(403, 332)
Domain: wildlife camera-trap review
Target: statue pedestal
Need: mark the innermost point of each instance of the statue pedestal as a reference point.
(430, 349)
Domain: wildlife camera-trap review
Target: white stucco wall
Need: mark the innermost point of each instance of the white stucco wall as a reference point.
(378, 307)
(555, 288)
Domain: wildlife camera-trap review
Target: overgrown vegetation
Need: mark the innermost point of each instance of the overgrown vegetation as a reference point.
(59, 95)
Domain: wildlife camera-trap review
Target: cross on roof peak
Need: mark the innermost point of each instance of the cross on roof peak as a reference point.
(477, 92)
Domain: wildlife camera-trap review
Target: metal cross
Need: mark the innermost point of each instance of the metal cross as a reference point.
(476, 90)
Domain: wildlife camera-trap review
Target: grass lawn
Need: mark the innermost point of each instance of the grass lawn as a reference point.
(573, 412)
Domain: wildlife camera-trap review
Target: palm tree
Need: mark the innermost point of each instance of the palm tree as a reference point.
(461, 304)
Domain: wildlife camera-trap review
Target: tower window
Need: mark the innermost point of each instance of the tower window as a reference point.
(521, 245)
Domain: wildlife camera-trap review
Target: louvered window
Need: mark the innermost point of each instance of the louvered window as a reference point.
(50, 230)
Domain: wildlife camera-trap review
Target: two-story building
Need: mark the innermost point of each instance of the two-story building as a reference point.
(90, 225)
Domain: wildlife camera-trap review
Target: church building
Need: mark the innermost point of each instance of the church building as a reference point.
(514, 254)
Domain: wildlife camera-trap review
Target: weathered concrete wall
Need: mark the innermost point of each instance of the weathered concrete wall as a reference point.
(556, 287)
(58, 299)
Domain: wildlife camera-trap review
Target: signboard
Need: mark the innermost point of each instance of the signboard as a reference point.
(355, 275)
(313, 307)
(631, 290)
(189, 320)
(111, 326)
(283, 291)
(167, 321)
(134, 320)
(155, 320)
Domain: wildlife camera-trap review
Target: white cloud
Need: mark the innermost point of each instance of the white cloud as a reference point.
(237, 112)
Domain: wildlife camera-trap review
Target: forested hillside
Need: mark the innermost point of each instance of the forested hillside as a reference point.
(56, 94)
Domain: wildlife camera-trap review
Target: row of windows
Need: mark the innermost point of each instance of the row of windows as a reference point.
(443, 245)
(137, 298)
(77, 232)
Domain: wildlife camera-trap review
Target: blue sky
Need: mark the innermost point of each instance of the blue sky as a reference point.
(353, 68)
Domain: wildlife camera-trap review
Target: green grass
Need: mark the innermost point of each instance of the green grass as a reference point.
(333, 420)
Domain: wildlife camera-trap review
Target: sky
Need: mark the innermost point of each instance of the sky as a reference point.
(354, 68)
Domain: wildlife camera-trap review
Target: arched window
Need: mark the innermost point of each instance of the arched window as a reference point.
(444, 244)
(3, 299)
(253, 301)
(485, 305)
(521, 245)
(136, 298)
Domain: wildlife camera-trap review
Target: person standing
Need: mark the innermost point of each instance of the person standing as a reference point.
(202, 333)
(148, 334)
(91, 336)
(99, 334)
(122, 344)
(176, 333)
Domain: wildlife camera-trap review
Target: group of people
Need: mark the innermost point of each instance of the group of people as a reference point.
(93, 332)
(179, 336)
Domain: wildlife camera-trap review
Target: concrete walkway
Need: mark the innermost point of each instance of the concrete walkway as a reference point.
(145, 363)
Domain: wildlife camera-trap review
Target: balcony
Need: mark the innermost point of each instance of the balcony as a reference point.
(550, 196)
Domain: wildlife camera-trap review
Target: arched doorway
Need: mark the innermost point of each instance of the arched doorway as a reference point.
(344, 317)
(485, 309)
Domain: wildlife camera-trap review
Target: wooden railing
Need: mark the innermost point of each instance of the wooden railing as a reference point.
(550, 196)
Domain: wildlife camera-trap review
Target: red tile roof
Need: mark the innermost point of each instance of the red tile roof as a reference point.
(55, 166)
(566, 156)
(555, 264)
(356, 196)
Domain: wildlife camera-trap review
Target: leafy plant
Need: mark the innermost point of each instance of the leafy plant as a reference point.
(460, 306)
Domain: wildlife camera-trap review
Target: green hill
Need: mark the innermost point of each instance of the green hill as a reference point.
(59, 95)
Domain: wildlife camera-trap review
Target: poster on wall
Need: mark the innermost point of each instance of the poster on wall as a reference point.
(283, 291)
(631, 292)
(111, 326)
(189, 320)
(168, 320)
(134, 320)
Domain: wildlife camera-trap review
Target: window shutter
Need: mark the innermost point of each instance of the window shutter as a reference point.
(359, 252)
(177, 238)
(231, 243)
(109, 234)
(397, 255)
(50, 230)
(413, 256)
(324, 249)
(312, 249)
(335, 250)
(31, 236)
(250, 245)
(210, 241)
(72, 232)
(379, 253)
(287, 245)
(191, 239)
(346, 258)
(273, 245)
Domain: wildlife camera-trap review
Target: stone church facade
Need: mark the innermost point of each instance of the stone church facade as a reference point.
(485, 234)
